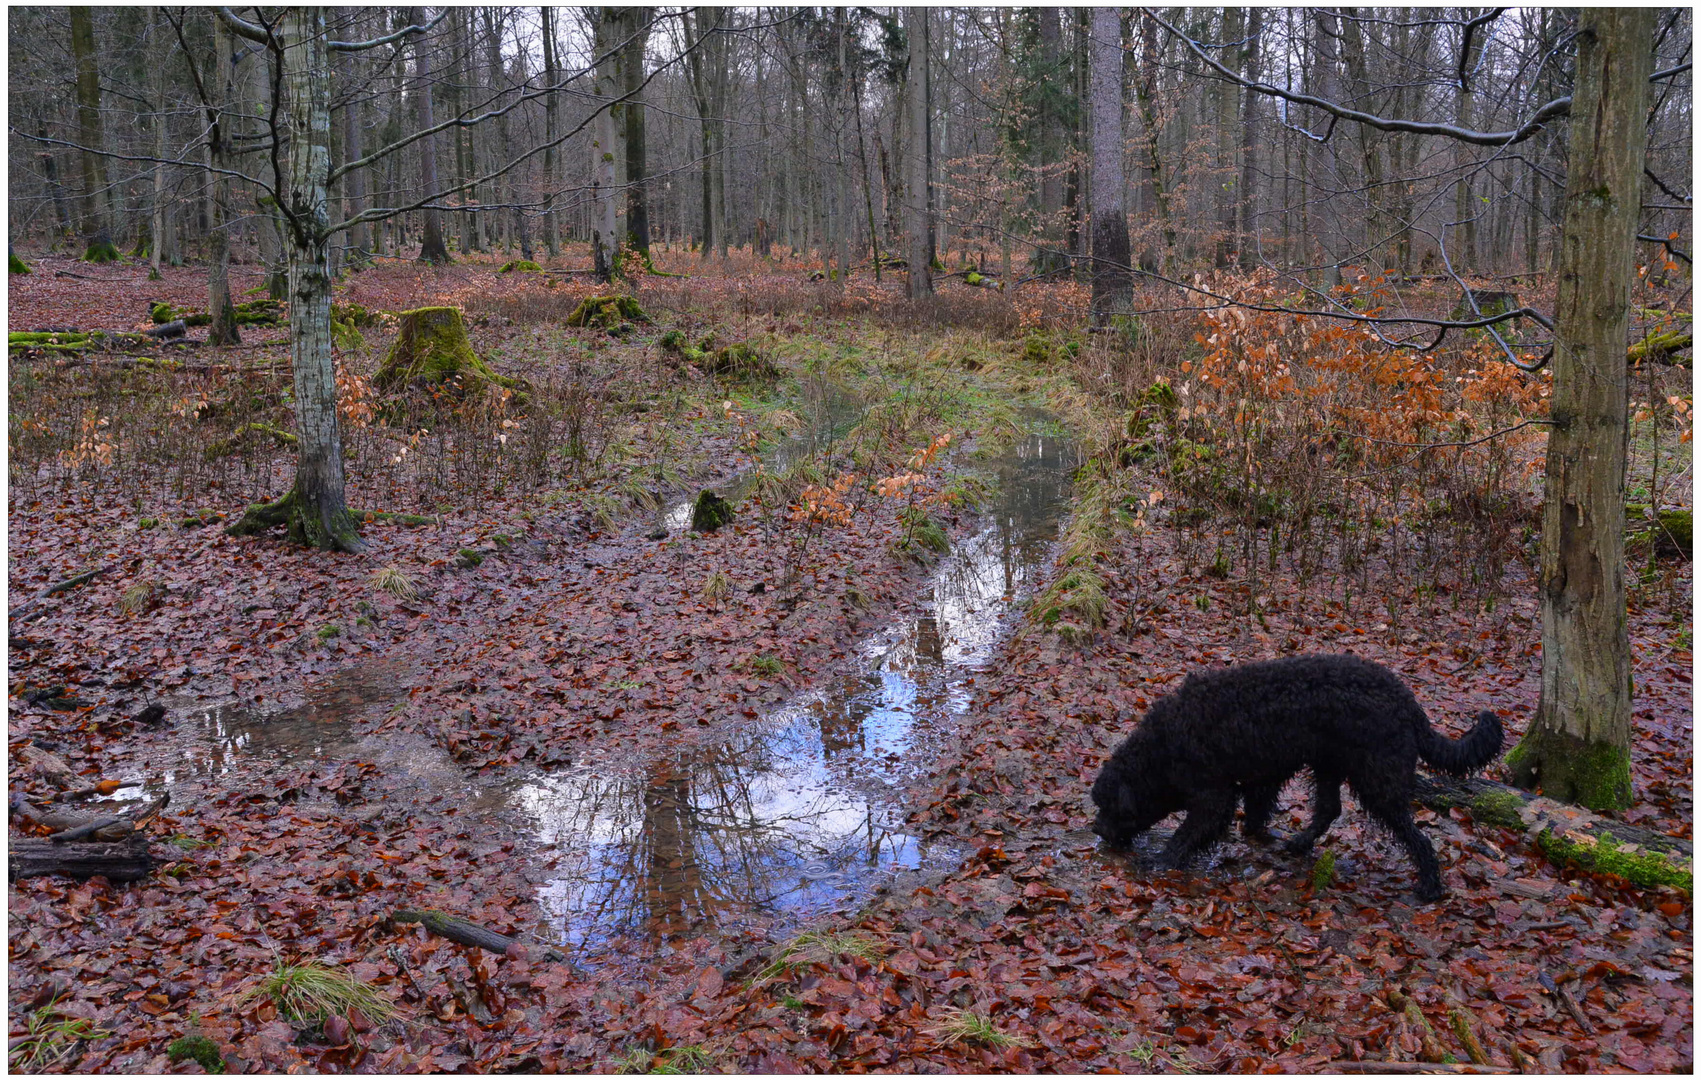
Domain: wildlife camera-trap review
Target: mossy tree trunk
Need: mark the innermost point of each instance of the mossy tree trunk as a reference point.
(1578, 747)
(316, 508)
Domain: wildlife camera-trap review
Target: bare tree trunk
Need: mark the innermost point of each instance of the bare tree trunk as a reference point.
(1113, 284)
(431, 249)
(916, 224)
(1249, 138)
(222, 330)
(551, 131)
(1226, 175)
(1146, 91)
(605, 239)
(844, 160)
(315, 509)
(637, 152)
(354, 183)
(1578, 747)
(156, 226)
(97, 218)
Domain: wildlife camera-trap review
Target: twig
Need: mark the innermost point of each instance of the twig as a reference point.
(29, 609)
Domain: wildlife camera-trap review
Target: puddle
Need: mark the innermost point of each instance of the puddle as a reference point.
(805, 813)
(217, 740)
(827, 417)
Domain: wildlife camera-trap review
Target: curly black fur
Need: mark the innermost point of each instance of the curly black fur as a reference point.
(1243, 732)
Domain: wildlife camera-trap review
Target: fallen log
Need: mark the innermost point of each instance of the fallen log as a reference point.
(1567, 834)
(463, 932)
(127, 860)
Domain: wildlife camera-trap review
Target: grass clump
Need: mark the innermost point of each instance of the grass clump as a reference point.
(766, 665)
(819, 947)
(396, 582)
(1323, 873)
(309, 992)
(674, 1061)
(139, 597)
(717, 588)
(48, 1038)
(961, 1025)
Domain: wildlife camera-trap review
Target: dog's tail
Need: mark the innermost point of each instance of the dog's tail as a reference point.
(1477, 748)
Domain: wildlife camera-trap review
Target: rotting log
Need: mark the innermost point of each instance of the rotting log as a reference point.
(127, 860)
(463, 932)
(1661, 347)
(1568, 834)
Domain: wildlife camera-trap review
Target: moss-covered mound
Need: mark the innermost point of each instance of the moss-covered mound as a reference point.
(253, 313)
(520, 266)
(710, 513)
(16, 265)
(101, 250)
(432, 347)
(607, 312)
(740, 360)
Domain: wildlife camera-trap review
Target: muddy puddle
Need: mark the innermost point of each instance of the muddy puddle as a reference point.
(803, 814)
(208, 741)
(828, 414)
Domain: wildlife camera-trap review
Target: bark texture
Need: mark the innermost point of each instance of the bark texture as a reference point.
(1578, 747)
(1113, 283)
(916, 223)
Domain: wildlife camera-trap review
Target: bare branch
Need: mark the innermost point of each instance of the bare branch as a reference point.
(406, 31)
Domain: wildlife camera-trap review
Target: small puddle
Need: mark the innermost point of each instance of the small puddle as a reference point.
(830, 414)
(217, 740)
(805, 813)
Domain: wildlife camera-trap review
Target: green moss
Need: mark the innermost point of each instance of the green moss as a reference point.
(101, 251)
(432, 347)
(607, 312)
(710, 512)
(346, 337)
(1648, 869)
(1591, 774)
(202, 1050)
(522, 266)
(1323, 871)
(148, 523)
(1497, 808)
(16, 265)
(354, 315)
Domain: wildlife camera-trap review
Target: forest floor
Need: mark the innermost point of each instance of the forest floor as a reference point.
(802, 794)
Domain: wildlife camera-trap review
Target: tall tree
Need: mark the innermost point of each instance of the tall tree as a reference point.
(97, 217)
(1113, 282)
(551, 126)
(1578, 748)
(215, 93)
(916, 221)
(637, 150)
(607, 145)
(432, 249)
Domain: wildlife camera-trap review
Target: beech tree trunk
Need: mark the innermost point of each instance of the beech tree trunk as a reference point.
(916, 223)
(1113, 282)
(316, 508)
(432, 249)
(637, 153)
(1578, 747)
(97, 220)
(605, 237)
(222, 330)
(551, 131)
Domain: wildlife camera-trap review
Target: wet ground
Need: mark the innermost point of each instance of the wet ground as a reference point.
(799, 814)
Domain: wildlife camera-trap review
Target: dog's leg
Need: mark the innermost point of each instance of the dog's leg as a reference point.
(1210, 812)
(1260, 804)
(1325, 808)
(1393, 810)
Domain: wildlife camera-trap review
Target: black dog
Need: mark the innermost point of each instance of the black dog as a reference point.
(1245, 731)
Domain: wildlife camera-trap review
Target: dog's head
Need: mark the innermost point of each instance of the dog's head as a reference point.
(1130, 800)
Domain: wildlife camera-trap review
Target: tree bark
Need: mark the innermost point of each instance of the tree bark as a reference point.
(916, 224)
(316, 508)
(1113, 283)
(1578, 747)
(605, 237)
(97, 220)
(222, 330)
(551, 130)
(1248, 138)
(431, 249)
(126, 860)
(637, 152)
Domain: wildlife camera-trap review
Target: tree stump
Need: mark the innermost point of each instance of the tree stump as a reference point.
(710, 513)
(431, 349)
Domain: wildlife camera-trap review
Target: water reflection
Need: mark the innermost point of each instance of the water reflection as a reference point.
(756, 826)
(804, 814)
(216, 740)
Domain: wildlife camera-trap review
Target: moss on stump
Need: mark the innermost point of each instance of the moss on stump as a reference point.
(16, 265)
(431, 348)
(521, 266)
(101, 250)
(710, 513)
(607, 312)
